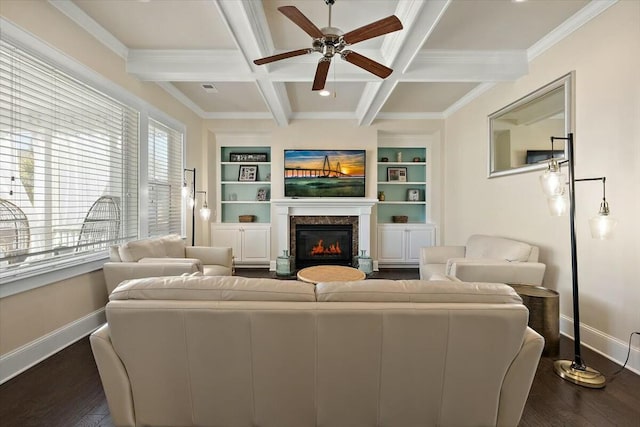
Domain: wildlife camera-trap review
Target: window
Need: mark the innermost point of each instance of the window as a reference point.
(69, 169)
(165, 179)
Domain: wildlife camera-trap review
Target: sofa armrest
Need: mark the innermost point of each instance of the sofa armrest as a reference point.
(211, 255)
(433, 260)
(115, 380)
(497, 271)
(117, 272)
(518, 379)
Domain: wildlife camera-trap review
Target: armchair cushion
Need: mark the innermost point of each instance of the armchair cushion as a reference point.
(479, 246)
(163, 247)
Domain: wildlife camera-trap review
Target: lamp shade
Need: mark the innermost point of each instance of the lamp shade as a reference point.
(552, 181)
(602, 226)
(205, 213)
(558, 204)
(185, 190)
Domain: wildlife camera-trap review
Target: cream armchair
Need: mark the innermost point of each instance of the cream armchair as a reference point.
(164, 256)
(484, 259)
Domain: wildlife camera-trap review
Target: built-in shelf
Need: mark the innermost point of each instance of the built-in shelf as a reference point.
(237, 197)
(412, 181)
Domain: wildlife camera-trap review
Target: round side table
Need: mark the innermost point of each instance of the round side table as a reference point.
(544, 314)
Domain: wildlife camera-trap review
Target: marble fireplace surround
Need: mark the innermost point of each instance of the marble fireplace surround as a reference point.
(359, 208)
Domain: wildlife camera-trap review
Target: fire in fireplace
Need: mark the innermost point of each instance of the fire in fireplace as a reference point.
(323, 244)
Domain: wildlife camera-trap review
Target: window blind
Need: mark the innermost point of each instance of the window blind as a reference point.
(165, 179)
(69, 166)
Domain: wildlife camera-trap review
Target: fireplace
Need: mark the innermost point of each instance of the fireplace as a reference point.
(318, 244)
(289, 213)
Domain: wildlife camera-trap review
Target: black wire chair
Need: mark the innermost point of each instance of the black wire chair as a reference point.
(15, 235)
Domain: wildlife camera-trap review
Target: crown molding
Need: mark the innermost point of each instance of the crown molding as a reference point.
(584, 15)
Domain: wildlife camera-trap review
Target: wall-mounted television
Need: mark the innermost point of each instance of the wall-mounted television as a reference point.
(324, 173)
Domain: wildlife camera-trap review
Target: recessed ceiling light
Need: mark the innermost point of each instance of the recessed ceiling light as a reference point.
(324, 92)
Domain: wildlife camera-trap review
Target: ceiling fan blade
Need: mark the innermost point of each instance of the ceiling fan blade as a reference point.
(375, 29)
(301, 21)
(321, 73)
(280, 56)
(366, 64)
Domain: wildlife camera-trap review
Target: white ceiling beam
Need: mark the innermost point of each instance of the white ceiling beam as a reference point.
(248, 26)
(467, 66)
(188, 65)
(420, 23)
(230, 66)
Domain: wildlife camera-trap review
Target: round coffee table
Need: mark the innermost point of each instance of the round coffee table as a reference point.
(330, 273)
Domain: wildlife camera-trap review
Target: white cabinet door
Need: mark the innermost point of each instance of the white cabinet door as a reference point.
(256, 244)
(251, 244)
(418, 238)
(390, 244)
(227, 236)
(401, 243)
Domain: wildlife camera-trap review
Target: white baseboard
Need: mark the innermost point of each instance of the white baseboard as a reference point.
(610, 347)
(22, 358)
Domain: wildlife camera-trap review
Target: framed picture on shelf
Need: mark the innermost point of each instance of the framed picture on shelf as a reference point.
(247, 157)
(248, 173)
(413, 195)
(262, 195)
(397, 174)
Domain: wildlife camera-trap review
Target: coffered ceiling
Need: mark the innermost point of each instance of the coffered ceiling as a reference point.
(448, 52)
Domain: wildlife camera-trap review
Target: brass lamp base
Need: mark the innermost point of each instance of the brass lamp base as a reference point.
(586, 378)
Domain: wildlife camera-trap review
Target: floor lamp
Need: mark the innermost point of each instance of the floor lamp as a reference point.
(553, 184)
(190, 195)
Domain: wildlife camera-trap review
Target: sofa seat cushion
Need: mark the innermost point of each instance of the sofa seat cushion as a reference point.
(499, 248)
(213, 288)
(419, 291)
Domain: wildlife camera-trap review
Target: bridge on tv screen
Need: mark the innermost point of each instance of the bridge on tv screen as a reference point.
(326, 171)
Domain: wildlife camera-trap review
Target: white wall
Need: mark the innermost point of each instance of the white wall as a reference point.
(605, 55)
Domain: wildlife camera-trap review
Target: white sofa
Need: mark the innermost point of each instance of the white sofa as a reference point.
(235, 351)
(164, 256)
(484, 259)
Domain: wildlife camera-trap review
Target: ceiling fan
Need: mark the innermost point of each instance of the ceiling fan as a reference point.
(330, 41)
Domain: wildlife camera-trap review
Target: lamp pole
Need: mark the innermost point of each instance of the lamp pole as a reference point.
(193, 209)
(576, 371)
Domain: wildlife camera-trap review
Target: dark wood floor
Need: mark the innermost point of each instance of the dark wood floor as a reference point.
(65, 391)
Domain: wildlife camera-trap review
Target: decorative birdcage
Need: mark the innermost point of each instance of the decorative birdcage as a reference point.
(15, 236)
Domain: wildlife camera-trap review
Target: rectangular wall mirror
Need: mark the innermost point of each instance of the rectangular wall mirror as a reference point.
(519, 133)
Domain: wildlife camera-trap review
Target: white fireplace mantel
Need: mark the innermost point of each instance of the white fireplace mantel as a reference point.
(360, 207)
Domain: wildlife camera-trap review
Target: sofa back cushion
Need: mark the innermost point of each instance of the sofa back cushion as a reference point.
(479, 246)
(423, 291)
(213, 288)
(171, 246)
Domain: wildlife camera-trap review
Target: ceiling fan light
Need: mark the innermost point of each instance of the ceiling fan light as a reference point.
(324, 92)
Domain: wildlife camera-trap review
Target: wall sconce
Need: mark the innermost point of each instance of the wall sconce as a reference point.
(554, 186)
(205, 212)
